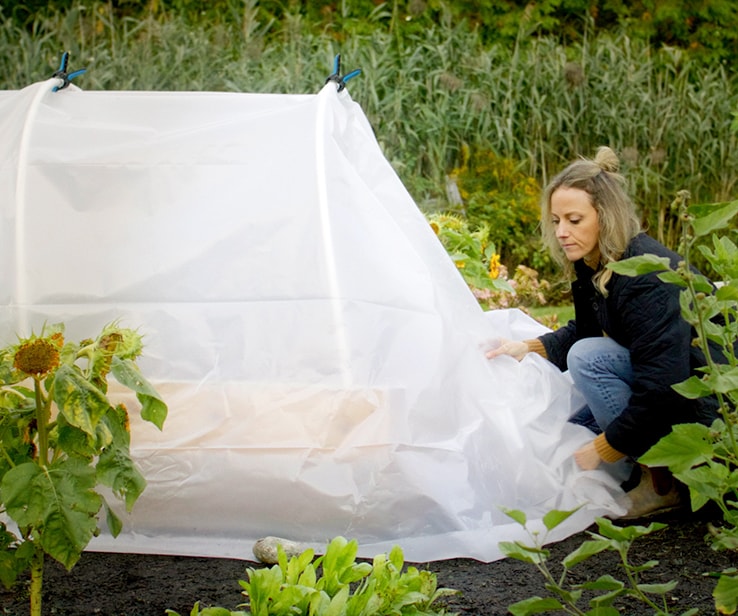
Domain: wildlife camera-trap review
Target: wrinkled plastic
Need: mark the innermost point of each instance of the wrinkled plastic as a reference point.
(322, 358)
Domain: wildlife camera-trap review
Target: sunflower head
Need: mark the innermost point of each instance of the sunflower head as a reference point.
(123, 342)
(494, 266)
(38, 356)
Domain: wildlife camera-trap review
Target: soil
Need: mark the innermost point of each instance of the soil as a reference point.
(141, 585)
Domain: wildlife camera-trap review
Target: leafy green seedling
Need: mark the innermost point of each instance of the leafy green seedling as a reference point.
(335, 584)
(605, 590)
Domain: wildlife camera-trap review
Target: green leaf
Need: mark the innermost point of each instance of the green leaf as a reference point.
(708, 481)
(319, 602)
(153, 408)
(648, 565)
(702, 284)
(113, 521)
(604, 582)
(74, 441)
(337, 605)
(626, 533)
(674, 278)
(724, 259)
(637, 266)
(692, 388)
(518, 551)
(657, 589)
(534, 605)
(262, 585)
(16, 491)
(515, 514)
(686, 446)
(569, 597)
(294, 570)
(585, 551)
(14, 557)
(338, 561)
(723, 379)
(711, 217)
(115, 468)
(81, 403)
(555, 517)
(728, 292)
(8, 373)
(396, 557)
(726, 594)
(58, 502)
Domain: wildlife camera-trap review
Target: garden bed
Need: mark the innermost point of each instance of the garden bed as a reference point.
(143, 585)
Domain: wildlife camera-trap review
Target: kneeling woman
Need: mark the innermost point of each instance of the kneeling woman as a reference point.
(628, 343)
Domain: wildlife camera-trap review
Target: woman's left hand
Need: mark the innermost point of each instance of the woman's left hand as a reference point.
(587, 457)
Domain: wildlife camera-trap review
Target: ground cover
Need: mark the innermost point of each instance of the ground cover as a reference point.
(144, 585)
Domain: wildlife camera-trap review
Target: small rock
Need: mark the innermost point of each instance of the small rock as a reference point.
(265, 549)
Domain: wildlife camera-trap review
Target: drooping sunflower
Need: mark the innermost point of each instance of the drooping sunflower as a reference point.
(38, 356)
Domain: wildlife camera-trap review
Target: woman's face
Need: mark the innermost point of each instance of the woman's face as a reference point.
(576, 224)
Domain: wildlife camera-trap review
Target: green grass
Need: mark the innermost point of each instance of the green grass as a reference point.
(564, 313)
(430, 93)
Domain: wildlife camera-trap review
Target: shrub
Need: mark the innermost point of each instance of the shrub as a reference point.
(496, 193)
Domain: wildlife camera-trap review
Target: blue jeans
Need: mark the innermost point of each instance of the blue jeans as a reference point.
(602, 372)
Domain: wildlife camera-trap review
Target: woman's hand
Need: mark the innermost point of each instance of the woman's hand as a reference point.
(587, 457)
(514, 348)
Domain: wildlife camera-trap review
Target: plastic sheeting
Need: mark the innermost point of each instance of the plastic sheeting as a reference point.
(320, 354)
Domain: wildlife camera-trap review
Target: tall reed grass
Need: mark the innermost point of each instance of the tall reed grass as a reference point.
(429, 93)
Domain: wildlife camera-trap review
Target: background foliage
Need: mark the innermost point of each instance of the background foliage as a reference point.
(451, 88)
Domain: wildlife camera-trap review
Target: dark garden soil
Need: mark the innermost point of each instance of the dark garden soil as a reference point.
(135, 585)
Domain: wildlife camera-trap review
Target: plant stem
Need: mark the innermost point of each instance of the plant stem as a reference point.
(37, 576)
(569, 608)
(634, 581)
(42, 417)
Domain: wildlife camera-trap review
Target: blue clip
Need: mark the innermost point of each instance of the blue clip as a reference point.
(336, 75)
(62, 73)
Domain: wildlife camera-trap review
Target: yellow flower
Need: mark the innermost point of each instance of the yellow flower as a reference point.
(435, 227)
(494, 266)
(37, 357)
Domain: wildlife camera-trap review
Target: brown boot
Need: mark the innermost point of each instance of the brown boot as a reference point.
(656, 493)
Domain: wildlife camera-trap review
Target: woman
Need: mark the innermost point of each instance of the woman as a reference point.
(628, 343)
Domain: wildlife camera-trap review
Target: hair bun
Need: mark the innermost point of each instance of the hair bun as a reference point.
(606, 159)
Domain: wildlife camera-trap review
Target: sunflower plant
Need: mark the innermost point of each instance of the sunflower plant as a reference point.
(473, 253)
(60, 439)
(705, 458)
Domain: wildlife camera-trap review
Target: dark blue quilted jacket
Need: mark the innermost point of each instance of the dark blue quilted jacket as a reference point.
(642, 314)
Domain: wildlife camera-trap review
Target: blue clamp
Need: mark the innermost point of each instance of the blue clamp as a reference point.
(62, 73)
(336, 75)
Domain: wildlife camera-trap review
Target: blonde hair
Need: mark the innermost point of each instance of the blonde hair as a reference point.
(616, 214)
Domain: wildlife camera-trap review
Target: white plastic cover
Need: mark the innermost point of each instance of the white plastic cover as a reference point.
(320, 354)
